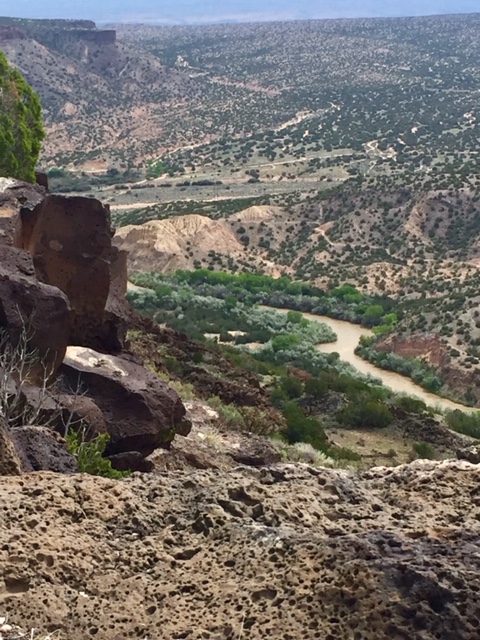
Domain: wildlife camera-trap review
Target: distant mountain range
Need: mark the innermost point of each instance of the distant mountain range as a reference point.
(211, 11)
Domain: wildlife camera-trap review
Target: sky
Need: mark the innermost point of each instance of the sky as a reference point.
(211, 11)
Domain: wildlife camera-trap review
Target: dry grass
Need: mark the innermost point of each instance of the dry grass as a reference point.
(12, 632)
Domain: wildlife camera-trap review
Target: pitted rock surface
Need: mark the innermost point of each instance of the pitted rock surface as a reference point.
(13, 461)
(285, 552)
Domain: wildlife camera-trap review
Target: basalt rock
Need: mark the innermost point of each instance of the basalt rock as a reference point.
(141, 412)
(70, 240)
(44, 449)
(131, 461)
(472, 454)
(425, 428)
(33, 309)
(62, 409)
(13, 195)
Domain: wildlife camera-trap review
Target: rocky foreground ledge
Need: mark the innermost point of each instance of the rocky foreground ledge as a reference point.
(284, 552)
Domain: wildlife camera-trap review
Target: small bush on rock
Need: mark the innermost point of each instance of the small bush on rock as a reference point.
(89, 455)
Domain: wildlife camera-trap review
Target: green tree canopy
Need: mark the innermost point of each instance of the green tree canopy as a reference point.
(21, 129)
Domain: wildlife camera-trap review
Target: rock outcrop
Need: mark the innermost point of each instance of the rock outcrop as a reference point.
(430, 348)
(176, 243)
(44, 449)
(281, 553)
(70, 240)
(13, 461)
(63, 283)
(471, 454)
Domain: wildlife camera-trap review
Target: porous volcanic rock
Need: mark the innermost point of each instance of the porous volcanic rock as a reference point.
(141, 411)
(44, 449)
(281, 553)
(13, 461)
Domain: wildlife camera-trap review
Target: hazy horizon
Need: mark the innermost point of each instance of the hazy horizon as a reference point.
(214, 11)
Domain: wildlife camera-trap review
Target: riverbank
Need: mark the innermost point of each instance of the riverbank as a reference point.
(348, 337)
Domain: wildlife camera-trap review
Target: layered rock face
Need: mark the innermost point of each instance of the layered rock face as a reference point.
(62, 285)
(281, 553)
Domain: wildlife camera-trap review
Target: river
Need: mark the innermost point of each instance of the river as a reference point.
(348, 337)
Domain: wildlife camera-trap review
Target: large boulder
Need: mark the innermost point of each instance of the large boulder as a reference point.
(60, 409)
(31, 309)
(470, 453)
(44, 449)
(142, 413)
(118, 314)
(70, 240)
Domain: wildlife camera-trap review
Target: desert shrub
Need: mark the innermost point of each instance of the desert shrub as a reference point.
(412, 405)
(89, 454)
(316, 388)
(343, 453)
(173, 365)
(285, 341)
(291, 386)
(365, 414)
(301, 428)
(466, 423)
(197, 357)
(259, 422)
(304, 452)
(185, 390)
(423, 450)
(228, 414)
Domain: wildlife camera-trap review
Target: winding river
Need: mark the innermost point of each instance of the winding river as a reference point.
(348, 337)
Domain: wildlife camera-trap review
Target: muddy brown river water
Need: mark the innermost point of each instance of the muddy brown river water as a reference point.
(348, 337)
